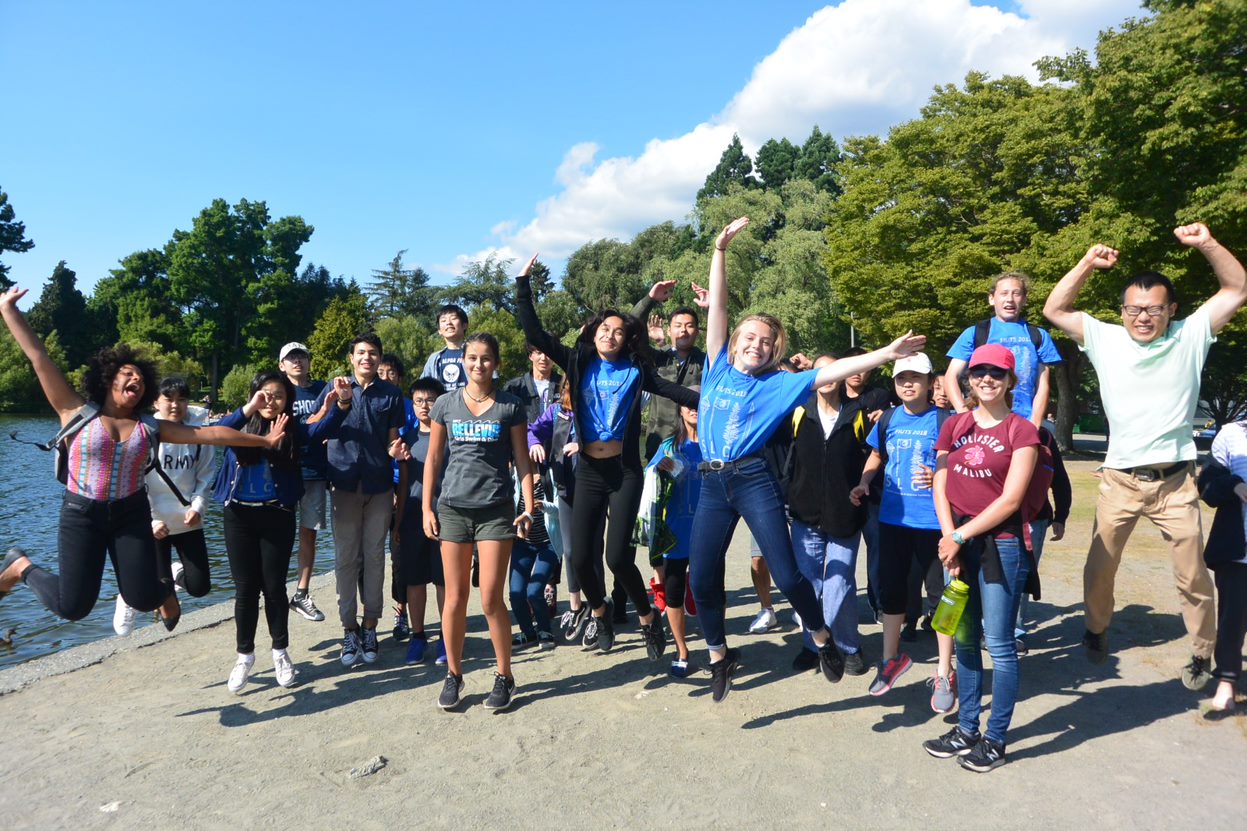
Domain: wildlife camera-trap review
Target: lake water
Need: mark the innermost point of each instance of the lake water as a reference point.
(30, 503)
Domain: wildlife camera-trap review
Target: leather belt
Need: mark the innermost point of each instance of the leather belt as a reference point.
(1150, 473)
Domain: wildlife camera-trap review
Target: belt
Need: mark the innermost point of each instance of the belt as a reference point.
(1149, 473)
(718, 465)
(271, 503)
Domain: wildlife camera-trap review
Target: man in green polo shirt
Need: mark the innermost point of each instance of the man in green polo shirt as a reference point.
(1149, 370)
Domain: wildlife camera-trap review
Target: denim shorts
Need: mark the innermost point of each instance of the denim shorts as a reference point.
(492, 522)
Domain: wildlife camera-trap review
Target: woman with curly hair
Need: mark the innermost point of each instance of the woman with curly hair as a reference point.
(607, 373)
(105, 512)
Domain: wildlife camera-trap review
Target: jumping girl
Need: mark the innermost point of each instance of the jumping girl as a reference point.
(105, 512)
(744, 399)
(607, 373)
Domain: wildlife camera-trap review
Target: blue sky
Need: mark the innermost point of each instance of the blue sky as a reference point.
(451, 130)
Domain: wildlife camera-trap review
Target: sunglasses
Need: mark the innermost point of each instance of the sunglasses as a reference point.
(994, 372)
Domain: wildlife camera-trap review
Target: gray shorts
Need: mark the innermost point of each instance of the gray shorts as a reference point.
(476, 524)
(312, 505)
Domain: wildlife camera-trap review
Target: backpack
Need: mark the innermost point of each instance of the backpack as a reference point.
(59, 443)
(982, 330)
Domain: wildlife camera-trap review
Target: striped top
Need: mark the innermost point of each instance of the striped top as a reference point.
(103, 469)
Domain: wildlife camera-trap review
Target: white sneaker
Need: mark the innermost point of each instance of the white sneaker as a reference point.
(179, 576)
(796, 619)
(123, 618)
(350, 649)
(283, 668)
(764, 622)
(240, 673)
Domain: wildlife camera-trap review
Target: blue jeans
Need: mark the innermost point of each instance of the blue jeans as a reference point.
(830, 564)
(990, 612)
(531, 569)
(1039, 532)
(750, 491)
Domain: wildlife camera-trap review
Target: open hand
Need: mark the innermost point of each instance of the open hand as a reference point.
(661, 291)
(8, 300)
(701, 296)
(538, 454)
(528, 266)
(657, 335)
(342, 388)
(399, 451)
(907, 344)
(729, 232)
(278, 431)
(431, 527)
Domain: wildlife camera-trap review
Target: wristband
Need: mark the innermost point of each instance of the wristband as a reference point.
(957, 538)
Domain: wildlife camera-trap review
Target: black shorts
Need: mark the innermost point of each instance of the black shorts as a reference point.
(420, 557)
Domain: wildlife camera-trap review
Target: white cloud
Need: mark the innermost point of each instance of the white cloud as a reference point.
(854, 68)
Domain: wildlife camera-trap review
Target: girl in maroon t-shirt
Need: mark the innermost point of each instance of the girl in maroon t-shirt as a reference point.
(984, 463)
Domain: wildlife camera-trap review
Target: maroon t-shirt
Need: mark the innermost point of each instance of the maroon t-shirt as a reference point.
(979, 458)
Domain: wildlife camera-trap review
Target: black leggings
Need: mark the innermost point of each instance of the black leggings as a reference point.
(602, 484)
(1231, 620)
(193, 552)
(675, 581)
(899, 547)
(260, 543)
(91, 531)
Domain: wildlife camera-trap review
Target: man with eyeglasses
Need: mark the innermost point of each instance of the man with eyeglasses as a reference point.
(1149, 370)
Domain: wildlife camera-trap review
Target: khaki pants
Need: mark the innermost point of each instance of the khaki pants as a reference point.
(1172, 504)
(361, 522)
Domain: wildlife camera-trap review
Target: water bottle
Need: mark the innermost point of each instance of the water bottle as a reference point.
(951, 606)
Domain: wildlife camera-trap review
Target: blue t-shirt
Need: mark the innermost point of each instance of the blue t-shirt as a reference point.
(1018, 340)
(739, 412)
(606, 395)
(910, 445)
(255, 483)
(311, 456)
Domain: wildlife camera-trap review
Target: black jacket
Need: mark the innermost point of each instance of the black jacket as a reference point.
(822, 471)
(525, 389)
(1226, 542)
(573, 360)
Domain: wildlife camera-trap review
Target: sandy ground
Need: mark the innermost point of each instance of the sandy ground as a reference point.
(140, 732)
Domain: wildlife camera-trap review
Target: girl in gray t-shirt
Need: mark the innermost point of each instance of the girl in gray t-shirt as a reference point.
(478, 431)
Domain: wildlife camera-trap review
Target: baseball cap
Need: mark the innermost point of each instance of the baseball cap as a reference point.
(917, 362)
(993, 354)
(293, 346)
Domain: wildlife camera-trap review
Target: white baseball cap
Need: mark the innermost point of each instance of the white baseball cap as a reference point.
(293, 346)
(918, 362)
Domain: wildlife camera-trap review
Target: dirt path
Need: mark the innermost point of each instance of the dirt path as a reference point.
(148, 736)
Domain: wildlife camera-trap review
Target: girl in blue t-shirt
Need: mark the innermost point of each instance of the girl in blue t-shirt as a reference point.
(678, 457)
(909, 528)
(745, 397)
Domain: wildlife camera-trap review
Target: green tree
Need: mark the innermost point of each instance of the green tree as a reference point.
(511, 345)
(12, 237)
(411, 338)
(820, 162)
(343, 319)
(236, 385)
(19, 388)
(776, 162)
(133, 303)
(483, 284)
(734, 168)
(62, 308)
(224, 274)
(396, 291)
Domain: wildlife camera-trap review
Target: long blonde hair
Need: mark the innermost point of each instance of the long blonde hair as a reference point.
(777, 331)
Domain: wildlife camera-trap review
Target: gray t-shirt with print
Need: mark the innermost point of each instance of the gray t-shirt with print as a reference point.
(478, 448)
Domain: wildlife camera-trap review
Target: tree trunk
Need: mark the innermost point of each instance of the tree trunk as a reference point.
(1067, 374)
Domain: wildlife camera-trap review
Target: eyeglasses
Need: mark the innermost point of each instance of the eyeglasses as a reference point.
(422, 401)
(994, 372)
(1135, 311)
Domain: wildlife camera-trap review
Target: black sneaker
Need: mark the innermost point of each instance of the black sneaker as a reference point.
(522, 641)
(1196, 674)
(855, 663)
(452, 692)
(476, 570)
(302, 603)
(1022, 648)
(501, 696)
(606, 628)
(572, 624)
(721, 673)
(952, 743)
(655, 638)
(985, 756)
(805, 661)
(589, 640)
(831, 661)
(1096, 646)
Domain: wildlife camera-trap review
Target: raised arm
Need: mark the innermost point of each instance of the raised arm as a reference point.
(1223, 305)
(531, 324)
(906, 344)
(716, 312)
(56, 387)
(1059, 308)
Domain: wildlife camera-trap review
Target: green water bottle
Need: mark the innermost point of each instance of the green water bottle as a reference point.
(952, 605)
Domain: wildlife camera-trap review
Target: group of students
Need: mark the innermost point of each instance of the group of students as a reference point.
(506, 487)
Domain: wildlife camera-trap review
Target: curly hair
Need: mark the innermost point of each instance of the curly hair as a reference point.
(102, 369)
(634, 333)
(286, 454)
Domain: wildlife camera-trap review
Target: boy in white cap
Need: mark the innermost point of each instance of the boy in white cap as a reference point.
(295, 361)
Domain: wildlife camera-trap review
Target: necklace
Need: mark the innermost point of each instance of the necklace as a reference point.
(480, 400)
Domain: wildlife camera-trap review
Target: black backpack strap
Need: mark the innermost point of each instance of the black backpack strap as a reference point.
(1036, 336)
(79, 420)
(982, 331)
(882, 426)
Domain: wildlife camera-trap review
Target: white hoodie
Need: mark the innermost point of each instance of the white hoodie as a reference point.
(191, 467)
